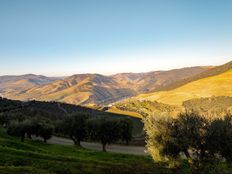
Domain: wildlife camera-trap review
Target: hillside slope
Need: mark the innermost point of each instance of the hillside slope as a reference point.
(218, 85)
(96, 89)
(35, 157)
(78, 89)
(150, 81)
(17, 84)
(209, 73)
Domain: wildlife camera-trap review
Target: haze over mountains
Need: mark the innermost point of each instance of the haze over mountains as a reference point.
(91, 89)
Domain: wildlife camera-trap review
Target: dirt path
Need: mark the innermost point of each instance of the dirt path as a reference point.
(135, 150)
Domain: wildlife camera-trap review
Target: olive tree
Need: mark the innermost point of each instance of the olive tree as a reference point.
(75, 127)
(105, 130)
(126, 127)
(45, 131)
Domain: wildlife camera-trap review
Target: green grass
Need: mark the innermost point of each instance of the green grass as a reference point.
(37, 157)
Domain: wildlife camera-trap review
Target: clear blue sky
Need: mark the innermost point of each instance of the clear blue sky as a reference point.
(64, 37)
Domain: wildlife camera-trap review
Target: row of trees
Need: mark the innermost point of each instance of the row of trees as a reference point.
(80, 127)
(30, 127)
(194, 137)
(77, 127)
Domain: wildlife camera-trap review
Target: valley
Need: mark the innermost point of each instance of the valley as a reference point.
(96, 89)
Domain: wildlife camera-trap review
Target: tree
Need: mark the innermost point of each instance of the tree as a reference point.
(18, 129)
(186, 134)
(45, 131)
(4, 119)
(126, 127)
(105, 130)
(75, 127)
(219, 138)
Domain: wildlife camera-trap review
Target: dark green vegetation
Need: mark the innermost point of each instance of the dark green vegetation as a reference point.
(35, 157)
(213, 106)
(24, 155)
(106, 131)
(78, 126)
(53, 111)
(205, 144)
(146, 108)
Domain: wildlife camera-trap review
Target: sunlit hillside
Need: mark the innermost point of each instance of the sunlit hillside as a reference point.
(96, 89)
(219, 85)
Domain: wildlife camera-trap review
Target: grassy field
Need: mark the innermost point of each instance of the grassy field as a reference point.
(219, 85)
(37, 157)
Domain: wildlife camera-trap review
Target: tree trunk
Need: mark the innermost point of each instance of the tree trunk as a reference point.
(29, 136)
(45, 140)
(77, 143)
(22, 138)
(104, 147)
(187, 154)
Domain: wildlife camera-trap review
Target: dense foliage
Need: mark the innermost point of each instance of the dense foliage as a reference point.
(104, 130)
(211, 107)
(146, 108)
(200, 140)
(28, 119)
(29, 128)
(74, 126)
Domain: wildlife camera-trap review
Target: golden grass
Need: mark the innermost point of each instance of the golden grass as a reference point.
(129, 113)
(219, 85)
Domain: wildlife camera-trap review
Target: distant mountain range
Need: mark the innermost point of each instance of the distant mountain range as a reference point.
(213, 82)
(92, 89)
(209, 93)
(20, 83)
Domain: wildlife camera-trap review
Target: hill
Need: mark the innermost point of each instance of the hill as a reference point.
(212, 106)
(78, 89)
(96, 89)
(209, 106)
(147, 82)
(217, 85)
(55, 111)
(209, 73)
(9, 84)
(207, 93)
(40, 158)
(143, 108)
